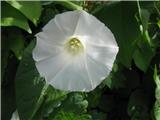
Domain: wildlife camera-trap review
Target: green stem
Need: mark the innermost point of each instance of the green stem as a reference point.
(70, 5)
(40, 100)
(139, 10)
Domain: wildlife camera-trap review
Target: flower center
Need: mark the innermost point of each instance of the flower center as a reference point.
(74, 46)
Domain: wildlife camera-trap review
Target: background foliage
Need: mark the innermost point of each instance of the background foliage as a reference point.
(132, 90)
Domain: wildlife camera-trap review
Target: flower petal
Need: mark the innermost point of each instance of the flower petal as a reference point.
(90, 26)
(87, 24)
(52, 33)
(97, 71)
(65, 22)
(73, 77)
(44, 49)
(102, 54)
(51, 66)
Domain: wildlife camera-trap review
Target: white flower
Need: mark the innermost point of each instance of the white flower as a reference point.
(15, 115)
(75, 51)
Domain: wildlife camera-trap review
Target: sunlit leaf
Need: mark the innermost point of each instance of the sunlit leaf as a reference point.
(158, 23)
(12, 17)
(31, 9)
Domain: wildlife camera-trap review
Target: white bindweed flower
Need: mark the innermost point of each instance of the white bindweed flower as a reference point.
(75, 51)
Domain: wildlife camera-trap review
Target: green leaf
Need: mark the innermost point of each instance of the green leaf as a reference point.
(145, 45)
(8, 99)
(142, 59)
(98, 115)
(13, 40)
(47, 14)
(119, 17)
(158, 23)
(156, 108)
(31, 9)
(107, 103)
(12, 17)
(16, 42)
(53, 100)
(116, 80)
(94, 97)
(138, 105)
(4, 53)
(75, 103)
(57, 101)
(143, 54)
(61, 115)
(144, 15)
(30, 89)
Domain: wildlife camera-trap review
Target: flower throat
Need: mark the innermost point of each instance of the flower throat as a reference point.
(74, 46)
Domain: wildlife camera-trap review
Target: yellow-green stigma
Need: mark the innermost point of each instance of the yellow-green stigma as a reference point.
(74, 46)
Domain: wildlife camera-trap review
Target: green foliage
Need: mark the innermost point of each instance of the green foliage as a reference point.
(119, 17)
(115, 80)
(98, 115)
(156, 109)
(5, 54)
(127, 93)
(75, 103)
(143, 54)
(138, 106)
(16, 43)
(31, 9)
(69, 5)
(27, 81)
(52, 100)
(145, 49)
(8, 102)
(47, 15)
(71, 116)
(12, 43)
(12, 17)
(94, 97)
(158, 23)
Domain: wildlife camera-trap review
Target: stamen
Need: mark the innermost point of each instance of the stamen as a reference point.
(74, 46)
